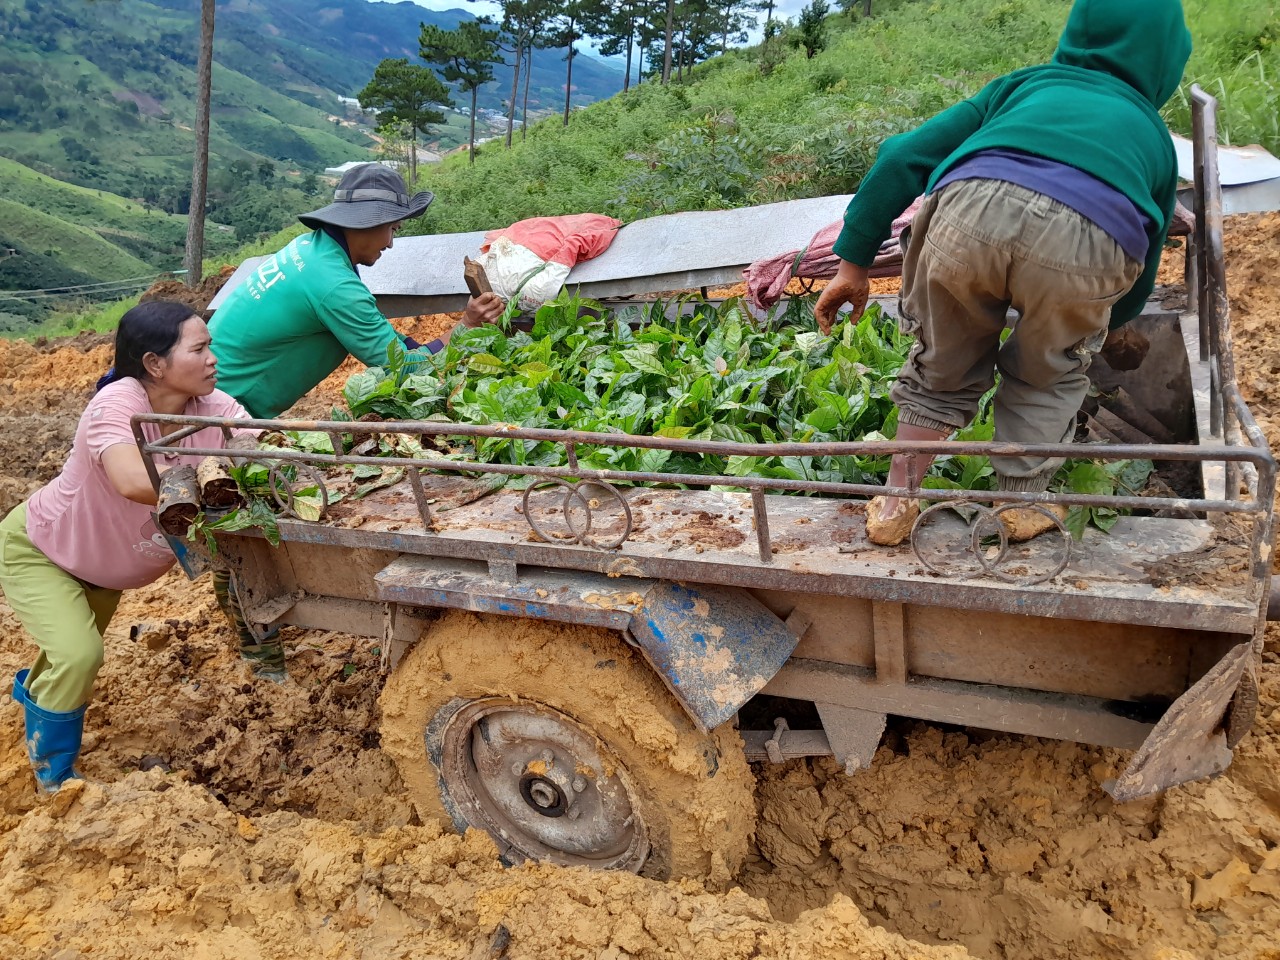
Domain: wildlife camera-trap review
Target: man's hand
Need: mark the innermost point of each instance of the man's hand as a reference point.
(850, 285)
(483, 309)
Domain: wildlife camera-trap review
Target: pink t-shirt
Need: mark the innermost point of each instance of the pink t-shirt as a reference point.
(79, 520)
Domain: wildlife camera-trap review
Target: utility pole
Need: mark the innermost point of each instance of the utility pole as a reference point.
(193, 260)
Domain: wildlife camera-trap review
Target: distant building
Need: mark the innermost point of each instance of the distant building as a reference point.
(339, 171)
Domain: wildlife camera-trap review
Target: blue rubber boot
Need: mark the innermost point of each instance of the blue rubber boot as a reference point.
(53, 738)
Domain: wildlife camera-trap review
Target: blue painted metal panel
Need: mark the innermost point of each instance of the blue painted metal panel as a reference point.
(193, 558)
(714, 647)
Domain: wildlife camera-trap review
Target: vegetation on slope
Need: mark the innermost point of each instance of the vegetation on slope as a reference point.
(769, 123)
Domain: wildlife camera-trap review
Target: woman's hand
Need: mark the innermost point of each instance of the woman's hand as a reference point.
(850, 285)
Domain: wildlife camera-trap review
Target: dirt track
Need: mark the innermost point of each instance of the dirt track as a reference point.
(231, 819)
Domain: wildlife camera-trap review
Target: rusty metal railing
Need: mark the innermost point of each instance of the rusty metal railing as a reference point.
(573, 473)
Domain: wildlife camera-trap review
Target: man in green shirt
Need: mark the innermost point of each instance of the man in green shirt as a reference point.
(299, 315)
(1049, 192)
(305, 308)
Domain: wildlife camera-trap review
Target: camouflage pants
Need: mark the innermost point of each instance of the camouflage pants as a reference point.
(267, 654)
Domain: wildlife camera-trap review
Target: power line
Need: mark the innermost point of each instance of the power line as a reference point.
(76, 288)
(88, 292)
(106, 293)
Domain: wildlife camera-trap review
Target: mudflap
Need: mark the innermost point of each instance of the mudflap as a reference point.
(194, 558)
(714, 647)
(1191, 739)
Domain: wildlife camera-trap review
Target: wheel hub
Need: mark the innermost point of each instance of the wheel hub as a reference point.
(541, 784)
(543, 796)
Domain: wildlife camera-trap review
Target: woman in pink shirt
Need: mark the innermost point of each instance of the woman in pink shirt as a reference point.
(68, 552)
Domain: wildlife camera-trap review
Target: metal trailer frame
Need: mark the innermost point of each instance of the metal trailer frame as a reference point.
(1079, 646)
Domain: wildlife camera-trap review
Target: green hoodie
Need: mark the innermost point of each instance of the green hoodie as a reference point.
(1092, 107)
(293, 321)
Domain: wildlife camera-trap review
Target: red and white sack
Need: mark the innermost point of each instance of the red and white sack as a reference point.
(532, 258)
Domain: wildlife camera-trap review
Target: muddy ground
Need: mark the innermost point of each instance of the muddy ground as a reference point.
(227, 818)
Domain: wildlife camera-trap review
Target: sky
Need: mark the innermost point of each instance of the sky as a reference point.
(782, 9)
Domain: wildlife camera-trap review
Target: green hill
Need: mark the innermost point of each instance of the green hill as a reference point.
(63, 235)
(150, 234)
(768, 123)
(102, 94)
(39, 247)
(92, 253)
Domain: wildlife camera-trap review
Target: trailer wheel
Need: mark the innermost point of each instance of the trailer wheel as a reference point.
(560, 743)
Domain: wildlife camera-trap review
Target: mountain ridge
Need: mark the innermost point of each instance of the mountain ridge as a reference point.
(101, 95)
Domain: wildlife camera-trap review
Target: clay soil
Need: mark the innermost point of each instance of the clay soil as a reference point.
(228, 818)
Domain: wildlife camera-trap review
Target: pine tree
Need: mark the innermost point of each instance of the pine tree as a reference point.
(464, 57)
(404, 91)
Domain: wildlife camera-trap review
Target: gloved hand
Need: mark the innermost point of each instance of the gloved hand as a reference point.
(1125, 349)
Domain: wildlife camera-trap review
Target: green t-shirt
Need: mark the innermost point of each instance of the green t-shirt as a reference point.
(292, 322)
(1093, 107)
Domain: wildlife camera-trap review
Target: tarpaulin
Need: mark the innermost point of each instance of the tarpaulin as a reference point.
(767, 278)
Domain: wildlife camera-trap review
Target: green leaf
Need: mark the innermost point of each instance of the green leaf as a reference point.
(1131, 476)
(383, 479)
(307, 507)
(652, 461)
(535, 372)
(1077, 520)
(1104, 518)
(486, 364)
(1089, 477)
(311, 441)
(676, 433)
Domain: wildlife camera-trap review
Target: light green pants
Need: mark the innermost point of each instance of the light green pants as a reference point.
(66, 617)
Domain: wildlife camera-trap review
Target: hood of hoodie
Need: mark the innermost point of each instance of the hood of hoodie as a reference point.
(1145, 43)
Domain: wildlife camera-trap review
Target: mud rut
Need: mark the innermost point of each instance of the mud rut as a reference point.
(232, 819)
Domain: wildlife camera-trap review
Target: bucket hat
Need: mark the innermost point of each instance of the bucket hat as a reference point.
(369, 195)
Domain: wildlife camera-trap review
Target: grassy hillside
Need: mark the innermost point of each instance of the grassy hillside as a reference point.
(130, 131)
(64, 235)
(45, 245)
(150, 234)
(102, 94)
(80, 245)
(768, 124)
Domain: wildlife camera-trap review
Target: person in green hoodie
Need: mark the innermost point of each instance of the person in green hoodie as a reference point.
(1049, 192)
(305, 309)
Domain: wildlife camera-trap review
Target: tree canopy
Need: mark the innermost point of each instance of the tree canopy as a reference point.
(407, 93)
(464, 57)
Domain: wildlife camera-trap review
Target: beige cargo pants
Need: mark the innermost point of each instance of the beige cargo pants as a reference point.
(976, 249)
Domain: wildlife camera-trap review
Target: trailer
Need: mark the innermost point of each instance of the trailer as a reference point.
(586, 669)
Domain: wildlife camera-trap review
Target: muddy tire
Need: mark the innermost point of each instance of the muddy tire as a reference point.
(561, 743)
